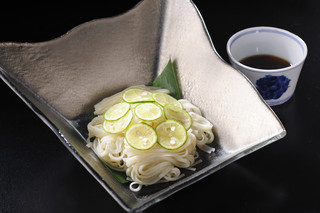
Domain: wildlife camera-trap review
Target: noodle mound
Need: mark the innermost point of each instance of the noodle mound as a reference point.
(146, 167)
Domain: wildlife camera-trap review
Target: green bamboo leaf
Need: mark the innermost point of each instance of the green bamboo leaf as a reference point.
(119, 176)
(168, 80)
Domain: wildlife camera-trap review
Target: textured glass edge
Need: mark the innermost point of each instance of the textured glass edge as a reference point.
(61, 136)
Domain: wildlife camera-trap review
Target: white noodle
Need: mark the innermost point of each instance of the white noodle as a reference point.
(156, 164)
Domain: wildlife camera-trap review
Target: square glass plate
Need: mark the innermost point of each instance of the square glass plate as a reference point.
(62, 79)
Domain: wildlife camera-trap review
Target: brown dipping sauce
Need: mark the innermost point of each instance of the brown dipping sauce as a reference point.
(265, 62)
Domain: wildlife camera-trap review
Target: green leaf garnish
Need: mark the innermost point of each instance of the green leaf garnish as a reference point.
(168, 80)
(119, 176)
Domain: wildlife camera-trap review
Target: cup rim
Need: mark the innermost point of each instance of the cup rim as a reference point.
(250, 30)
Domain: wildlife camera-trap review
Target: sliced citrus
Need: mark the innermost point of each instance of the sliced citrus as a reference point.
(148, 111)
(171, 134)
(136, 95)
(117, 111)
(164, 99)
(118, 125)
(141, 136)
(175, 113)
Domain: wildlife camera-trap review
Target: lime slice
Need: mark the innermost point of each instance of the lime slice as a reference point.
(141, 136)
(136, 95)
(117, 111)
(175, 113)
(118, 125)
(171, 134)
(164, 99)
(148, 111)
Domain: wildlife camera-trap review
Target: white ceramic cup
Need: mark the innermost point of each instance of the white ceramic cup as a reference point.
(276, 86)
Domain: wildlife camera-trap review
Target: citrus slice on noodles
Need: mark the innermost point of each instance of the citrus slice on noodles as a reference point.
(118, 125)
(148, 111)
(164, 99)
(136, 95)
(171, 134)
(141, 136)
(172, 112)
(117, 111)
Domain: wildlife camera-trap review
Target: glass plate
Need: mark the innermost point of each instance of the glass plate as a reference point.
(61, 80)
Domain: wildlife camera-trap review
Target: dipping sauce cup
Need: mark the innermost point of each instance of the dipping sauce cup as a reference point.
(275, 84)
